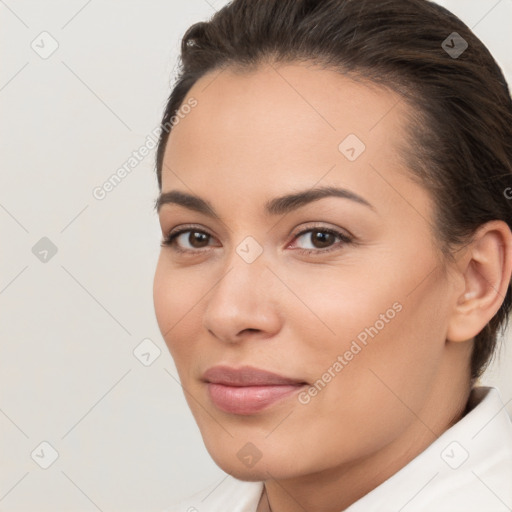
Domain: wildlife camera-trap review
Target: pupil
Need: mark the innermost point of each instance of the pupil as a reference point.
(196, 237)
(322, 237)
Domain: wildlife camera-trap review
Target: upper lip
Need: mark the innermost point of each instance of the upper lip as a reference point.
(246, 376)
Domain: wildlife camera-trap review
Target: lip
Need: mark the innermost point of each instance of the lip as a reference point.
(247, 390)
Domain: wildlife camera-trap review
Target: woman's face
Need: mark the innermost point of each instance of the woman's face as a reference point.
(344, 295)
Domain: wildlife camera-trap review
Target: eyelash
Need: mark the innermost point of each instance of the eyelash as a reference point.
(170, 240)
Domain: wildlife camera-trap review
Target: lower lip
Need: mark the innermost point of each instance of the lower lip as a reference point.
(248, 399)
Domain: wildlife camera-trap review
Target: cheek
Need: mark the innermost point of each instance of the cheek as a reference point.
(375, 320)
(175, 294)
(339, 305)
(388, 342)
(162, 296)
(386, 349)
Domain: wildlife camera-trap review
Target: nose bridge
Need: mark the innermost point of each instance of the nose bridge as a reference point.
(245, 268)
(242, 298)
(242, 281)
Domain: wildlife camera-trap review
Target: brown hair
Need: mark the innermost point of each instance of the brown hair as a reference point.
(460, 143)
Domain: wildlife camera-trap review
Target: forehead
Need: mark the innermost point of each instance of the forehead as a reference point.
(259, 132)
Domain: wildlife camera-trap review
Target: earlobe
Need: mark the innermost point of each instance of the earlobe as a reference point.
(487, 269)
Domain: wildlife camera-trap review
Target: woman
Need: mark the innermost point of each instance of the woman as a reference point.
(337, 256)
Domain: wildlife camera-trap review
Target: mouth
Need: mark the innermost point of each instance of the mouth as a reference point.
(247, 390)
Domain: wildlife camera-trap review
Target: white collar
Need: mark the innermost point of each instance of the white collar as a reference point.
(467, 469)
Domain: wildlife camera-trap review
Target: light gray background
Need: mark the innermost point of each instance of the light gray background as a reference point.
(125, 438)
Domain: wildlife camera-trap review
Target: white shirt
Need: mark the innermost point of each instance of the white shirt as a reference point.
(467, 469)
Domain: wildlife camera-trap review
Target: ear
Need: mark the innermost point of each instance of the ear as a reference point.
(486, 268)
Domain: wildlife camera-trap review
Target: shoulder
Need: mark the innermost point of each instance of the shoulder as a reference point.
(228, 495)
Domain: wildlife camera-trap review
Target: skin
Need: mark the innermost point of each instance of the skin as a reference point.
(276, 130)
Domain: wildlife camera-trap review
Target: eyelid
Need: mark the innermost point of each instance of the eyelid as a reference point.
(322, 226)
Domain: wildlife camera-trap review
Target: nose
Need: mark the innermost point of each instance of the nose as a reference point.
(244, 303)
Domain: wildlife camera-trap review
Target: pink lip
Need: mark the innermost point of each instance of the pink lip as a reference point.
(247, 390)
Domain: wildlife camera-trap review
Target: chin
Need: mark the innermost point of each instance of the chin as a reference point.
(273, 466)
(248, 475)
(230, 463)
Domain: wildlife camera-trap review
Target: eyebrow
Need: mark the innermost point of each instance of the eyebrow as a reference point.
(277, 206)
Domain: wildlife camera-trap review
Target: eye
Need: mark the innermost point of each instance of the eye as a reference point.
(321, 240)
(197, 239)
(322, 237)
